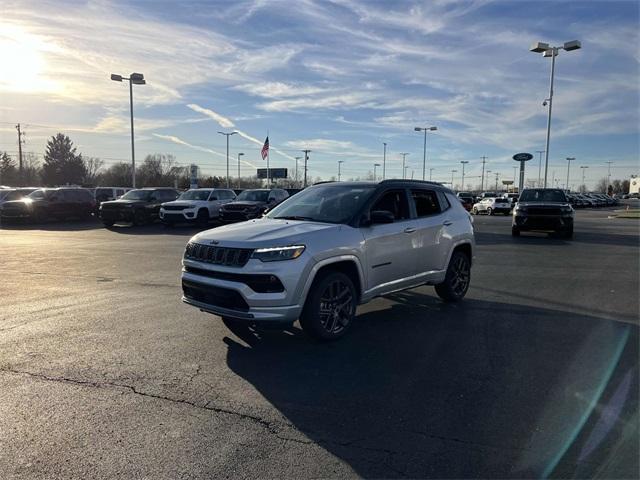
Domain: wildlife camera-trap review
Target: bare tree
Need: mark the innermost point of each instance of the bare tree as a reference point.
(92, 167)
(601, 186)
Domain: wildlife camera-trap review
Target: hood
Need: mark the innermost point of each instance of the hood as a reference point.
(121, 201)
(263, 232)
(245, 203)
(20, 203)
(182, 203)
(543, 204)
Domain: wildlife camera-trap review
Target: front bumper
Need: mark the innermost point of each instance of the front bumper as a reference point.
(542, 222)
(186, 215)
(117, 215)
(235, 299)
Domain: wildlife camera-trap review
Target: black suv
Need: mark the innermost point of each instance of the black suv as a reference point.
(543, 209)
(136, 206)
(50, 203)
(251, 204)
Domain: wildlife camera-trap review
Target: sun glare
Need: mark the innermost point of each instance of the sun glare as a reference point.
(23, 60)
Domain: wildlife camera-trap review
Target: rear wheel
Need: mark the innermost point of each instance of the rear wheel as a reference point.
(568, 232)
(330, 307)
(457, 280)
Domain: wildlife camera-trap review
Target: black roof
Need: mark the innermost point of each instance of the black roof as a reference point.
(393, 181)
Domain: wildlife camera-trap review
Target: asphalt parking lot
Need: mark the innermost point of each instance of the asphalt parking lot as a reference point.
(105, 373)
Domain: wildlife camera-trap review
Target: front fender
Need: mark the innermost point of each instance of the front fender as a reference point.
(303, 289)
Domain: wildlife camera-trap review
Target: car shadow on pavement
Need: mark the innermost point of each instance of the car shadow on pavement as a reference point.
(538, 238)
(62, 226)
(476, 389)
(157, 229)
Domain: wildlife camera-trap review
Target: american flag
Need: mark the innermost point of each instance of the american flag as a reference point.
(265, 148)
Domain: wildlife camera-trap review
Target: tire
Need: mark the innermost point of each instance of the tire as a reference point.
(330, 307)
(515, 232)
(489, 211)
(202, 219)
(568, 232)
(457, 280)
(139, 218)
(474, 211)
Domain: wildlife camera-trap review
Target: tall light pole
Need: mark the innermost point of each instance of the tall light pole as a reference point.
(463, 162)
(431, 173)
(452, 172)
(539, 152)
(297, 158)
(375, 165)
(497, 174)
(552, 52)
(404, 169)
(424, 151)
(306, 160)
(584, 187)
(340, 162)
(608, 175)
(239, 155)
(133, 79)
(569, 160)
(384, 160)
(228, 135)
(484, 160)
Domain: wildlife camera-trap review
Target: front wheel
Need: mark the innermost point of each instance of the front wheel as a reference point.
(489, 211)
(457, 280)
(515, 232)
(330, 307)
(474, 211)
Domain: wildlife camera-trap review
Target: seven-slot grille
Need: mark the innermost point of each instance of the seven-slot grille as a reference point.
(231, 257)
(234, 207)
(175, 207)
(543, 211)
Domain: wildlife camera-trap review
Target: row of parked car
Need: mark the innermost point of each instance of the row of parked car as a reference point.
(138, 206)
(491, 203)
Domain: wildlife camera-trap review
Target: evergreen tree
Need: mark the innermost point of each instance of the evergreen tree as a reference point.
(8, 170)
(61, 163)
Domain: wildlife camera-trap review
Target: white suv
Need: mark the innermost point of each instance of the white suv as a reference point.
(196, 205)
(323, 251)
(491, 206)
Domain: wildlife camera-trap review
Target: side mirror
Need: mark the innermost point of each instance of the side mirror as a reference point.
(381, 216)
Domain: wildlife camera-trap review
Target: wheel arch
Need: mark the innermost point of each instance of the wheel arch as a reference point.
(347, 264)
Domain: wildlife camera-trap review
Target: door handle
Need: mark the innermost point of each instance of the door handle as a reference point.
(409, 230)
(446, 223)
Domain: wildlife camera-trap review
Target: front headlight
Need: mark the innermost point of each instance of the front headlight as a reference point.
(567, 209)
(275, 254)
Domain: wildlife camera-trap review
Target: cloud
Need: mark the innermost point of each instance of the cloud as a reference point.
(222, 121)
(179, 141)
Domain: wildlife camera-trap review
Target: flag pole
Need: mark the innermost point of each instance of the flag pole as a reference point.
(268, 151)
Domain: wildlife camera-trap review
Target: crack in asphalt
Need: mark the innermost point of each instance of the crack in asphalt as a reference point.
(273, 428)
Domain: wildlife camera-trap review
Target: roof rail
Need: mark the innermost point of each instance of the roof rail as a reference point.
(420, 182)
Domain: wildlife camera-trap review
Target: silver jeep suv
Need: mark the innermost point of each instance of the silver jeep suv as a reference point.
(325, 250)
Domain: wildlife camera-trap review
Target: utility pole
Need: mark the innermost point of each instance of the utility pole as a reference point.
(497, 182)
(240, 154)
(340, 162)
(540, 152)
(20, 135)
(384, 160)
(306, 159)
(431, 173)
(484, 160)
(404, 156)
(463, 162)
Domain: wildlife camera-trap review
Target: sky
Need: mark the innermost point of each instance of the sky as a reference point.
(338, 77)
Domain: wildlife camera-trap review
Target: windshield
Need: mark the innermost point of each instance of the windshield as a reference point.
(542, 195)
(327, 203)
(195, 195)
(37, 194)
(253, 196)
(137, 195)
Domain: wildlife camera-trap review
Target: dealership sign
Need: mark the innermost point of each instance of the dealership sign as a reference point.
(522, 157)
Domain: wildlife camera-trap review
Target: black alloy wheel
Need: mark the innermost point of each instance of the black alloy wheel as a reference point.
(457, 279)
(330, 307)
